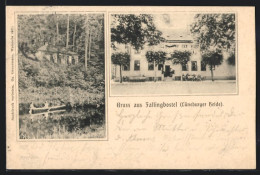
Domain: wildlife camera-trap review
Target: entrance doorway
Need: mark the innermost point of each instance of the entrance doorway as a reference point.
(167, 72)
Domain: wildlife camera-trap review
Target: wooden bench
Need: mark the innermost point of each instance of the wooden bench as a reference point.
(137, 79)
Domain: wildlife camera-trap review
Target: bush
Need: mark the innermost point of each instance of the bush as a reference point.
(46, 81)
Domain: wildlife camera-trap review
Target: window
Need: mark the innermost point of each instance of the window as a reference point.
(137, 65)
(202, 66)
(52, 57)
(68, 60)
(126, 67)
(73, 61)
(59, 60)
(185, 67)
(194, 65)
(160, 66)
(150, 66)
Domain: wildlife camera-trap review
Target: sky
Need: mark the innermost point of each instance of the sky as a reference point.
(173, 21)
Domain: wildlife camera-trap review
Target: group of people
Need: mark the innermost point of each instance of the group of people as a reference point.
(193, 77)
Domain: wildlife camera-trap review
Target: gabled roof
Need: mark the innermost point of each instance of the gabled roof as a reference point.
(177, 36)
(43, 48)
(56, 49)
(48, 48)
(72, 53)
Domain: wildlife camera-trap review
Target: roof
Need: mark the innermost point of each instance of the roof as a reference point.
(48, 48)
(55, 49)
(72, 53)
(177, 36)
(43, 48)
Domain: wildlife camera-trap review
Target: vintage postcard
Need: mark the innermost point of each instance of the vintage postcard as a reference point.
(130, 87)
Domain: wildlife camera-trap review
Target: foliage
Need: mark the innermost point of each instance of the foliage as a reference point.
(156, 56)
(212, 58)
(35, 30)
(214, 33)
(135, 30)
(214, 30)
(41, 81)
(74, 124)
(120, 58)
(52, 82)
(180, 57)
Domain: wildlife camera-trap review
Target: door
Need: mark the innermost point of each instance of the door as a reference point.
(167, 71)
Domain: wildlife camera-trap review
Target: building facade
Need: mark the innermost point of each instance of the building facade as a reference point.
(59, 55)
(140, 67)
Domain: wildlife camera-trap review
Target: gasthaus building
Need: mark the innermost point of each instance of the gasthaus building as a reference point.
(139, 69)
(57, 54)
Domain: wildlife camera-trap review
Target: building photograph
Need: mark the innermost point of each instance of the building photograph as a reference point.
(179, 54)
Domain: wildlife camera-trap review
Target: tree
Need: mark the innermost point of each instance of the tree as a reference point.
(93, 36)
(157, 57)
(214, 33)
(180, 57)
(212, 58)
(86, 42)
(121, 59)
(68, 29)
(214, 30)
(135, 30)
(57, 29)
(74, 36)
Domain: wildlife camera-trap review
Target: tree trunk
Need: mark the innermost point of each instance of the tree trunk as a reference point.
(154, 71)
(211, 69)
(74, 36)
(68, 26)
(120, 73)
(89, 48)
(86, 43)
(163, 71)
(57, 31)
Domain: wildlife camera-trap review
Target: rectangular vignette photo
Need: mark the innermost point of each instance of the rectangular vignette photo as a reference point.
(181, 53)
(61, 76)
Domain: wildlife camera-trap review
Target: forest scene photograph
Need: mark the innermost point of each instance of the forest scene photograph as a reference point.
(61, 76)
